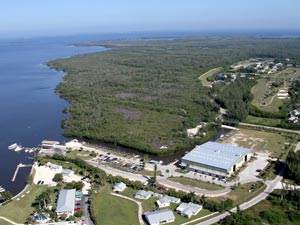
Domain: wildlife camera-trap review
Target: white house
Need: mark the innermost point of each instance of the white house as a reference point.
(119, 187)
(163, 202)
(159, 217)
(141, 194)
(188, 209)
(67, 172)
(74, 144)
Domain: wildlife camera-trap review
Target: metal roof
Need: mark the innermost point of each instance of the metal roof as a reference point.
(66, 201)
(143, 194)
(188, 209)
(158, 216)
(216, 154)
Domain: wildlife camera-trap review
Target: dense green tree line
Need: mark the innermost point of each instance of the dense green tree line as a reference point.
(145, 94)
(293, 163)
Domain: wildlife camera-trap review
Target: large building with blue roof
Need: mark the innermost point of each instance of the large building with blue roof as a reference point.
(216, 159)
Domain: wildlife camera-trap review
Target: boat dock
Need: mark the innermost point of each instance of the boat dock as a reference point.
(20, 165)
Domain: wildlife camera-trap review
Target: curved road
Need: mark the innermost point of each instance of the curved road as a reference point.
(271, 185)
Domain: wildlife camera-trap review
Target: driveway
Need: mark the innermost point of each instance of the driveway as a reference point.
(249, 174)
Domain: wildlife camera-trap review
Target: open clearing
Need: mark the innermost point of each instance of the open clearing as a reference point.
(259, 141)
(263, 121)
(204, 77)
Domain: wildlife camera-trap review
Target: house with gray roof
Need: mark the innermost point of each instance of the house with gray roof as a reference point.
(159, 217)
(66, 202)
(188, 209)
(119, 187)
(163, 202)
(141, 194)
(216, 159)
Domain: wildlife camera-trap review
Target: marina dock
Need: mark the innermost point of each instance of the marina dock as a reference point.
(20, 165)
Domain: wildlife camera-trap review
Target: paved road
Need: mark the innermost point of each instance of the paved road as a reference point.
(86, 212)
(270, 128)
(271, 185)
(116, 172)
(140, 212)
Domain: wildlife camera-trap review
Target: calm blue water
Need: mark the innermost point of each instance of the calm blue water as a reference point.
(30, 111)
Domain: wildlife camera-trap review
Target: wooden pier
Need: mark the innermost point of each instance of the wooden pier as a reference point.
(20, 165)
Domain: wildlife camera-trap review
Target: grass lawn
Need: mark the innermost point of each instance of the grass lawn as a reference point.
(244, 192)
(260, 141)
(263, 121)
(196, 183)
(110, 210)
(3, 222)
(79, 154)
(182, 171)
(19, 211)
(204, 77)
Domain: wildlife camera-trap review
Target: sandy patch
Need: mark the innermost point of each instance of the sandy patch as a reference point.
(44, 173)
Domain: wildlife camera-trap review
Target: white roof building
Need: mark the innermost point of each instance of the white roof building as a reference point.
(189, 209)
(119, 187)
(57, 168)
(163, 202)
(141, 194)
(216, 159)
(66, 202)
(160, 217)
(74, 144)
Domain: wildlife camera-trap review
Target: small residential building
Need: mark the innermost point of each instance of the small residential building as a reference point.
(163, 202)
(119, 187)
(141, 194)
(159, 217)
(188, 209)
(66, 202)
(55, 167)
(67, 172)
(172, 199)
(74, 144)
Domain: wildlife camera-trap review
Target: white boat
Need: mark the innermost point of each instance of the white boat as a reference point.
(13, 146)
(2, 189)
(18, 148)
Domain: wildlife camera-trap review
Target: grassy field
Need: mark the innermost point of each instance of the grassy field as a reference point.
(79, 154)
(204, 77)
(260, 141)
(196, 183)
(111, 210)
(19, 211)
(264, 92)
(263, 121)
(3, 222)
(244, 192)
(145, 94)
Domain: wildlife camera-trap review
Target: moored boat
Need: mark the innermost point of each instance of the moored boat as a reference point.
(13, 146)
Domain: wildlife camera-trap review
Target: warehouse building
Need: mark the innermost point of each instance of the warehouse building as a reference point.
(216, 159)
